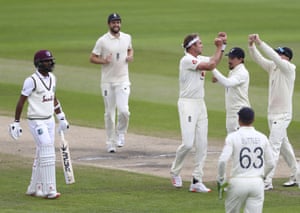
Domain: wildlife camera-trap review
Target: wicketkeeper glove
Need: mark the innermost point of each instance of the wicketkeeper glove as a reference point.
(15, 130)
(63, 123)
(222, 184)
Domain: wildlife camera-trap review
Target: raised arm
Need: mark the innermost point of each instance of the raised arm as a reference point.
(227, 82)
(253, 40)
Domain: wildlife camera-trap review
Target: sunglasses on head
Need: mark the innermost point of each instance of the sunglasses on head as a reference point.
(280, 50)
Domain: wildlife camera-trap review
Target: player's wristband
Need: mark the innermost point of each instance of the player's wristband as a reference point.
(57, 106)
(60, 116)
(223, 47)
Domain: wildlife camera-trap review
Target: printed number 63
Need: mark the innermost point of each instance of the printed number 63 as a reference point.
(245, 158)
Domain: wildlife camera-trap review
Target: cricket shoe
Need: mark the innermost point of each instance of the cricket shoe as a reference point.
(35, 193)
(30, 193)
(111, 148)
(53, 195)
(291, 182)
(268, 186)
(199, 187)
(176, 181)
(121, 140)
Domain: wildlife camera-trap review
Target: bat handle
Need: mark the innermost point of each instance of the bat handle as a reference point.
(62, 135)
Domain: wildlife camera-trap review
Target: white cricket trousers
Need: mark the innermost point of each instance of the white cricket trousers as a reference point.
(194, 127)
(116, 97)
(245, 191)
(232, 123)
(278, 124)
(43, 176)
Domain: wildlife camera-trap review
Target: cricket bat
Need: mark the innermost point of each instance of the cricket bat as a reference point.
(66, 159)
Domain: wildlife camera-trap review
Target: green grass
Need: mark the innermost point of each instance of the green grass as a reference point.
(70, 29)
(105, 190)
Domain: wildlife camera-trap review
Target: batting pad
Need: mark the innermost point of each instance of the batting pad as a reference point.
(35, 178)
(47, 168)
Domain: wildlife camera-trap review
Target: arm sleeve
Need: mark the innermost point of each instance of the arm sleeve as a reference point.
(192, 63)
(130, 43)
(223, 159)
(28, 87)
(227, 82)
(259, 59)
(97, 48)
(283, 65)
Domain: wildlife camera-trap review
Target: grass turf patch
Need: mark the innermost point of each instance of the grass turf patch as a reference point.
(106, 190)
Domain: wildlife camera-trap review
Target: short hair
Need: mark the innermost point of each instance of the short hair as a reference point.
(188, 39)
(246, 115)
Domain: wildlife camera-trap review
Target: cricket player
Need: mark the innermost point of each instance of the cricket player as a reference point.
(192, 107)
(39, 91)
(282, 74)
(236, 87)
(114, 51)
(252, 159)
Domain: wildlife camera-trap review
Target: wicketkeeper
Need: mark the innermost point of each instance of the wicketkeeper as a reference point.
(39, 90)
(252, 160)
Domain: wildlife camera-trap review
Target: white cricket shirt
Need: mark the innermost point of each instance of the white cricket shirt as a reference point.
(236, 88)
(250, 152)
(117, 70)
(191, 80)
(282, 75)
(40, 91)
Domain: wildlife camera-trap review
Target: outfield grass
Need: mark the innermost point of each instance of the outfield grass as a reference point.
(70, 28)
(105, 190)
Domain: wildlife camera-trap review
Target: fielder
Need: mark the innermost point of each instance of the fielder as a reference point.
(192, 108)
(114, 51)
(282, 74)
(252, 159)
(236, 87)
(39, 90)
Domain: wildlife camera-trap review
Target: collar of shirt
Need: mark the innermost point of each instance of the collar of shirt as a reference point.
(238, 66)
(111, 36)
(246, 127)
(42, 76)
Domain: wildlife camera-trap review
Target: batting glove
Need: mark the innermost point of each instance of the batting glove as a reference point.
(15, 130)
(63, 123)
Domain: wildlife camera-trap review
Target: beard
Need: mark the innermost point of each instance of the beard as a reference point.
(115, 30)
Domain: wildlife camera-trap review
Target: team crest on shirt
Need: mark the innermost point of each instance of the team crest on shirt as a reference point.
(194, 61)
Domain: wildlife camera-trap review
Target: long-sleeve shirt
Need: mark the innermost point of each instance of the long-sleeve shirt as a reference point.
(236, 88)
(282, 74)
(250, 152)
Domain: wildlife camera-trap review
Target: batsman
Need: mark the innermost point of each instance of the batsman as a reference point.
(39, 91)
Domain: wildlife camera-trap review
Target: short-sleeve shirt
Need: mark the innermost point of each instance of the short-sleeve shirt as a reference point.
(40, 91)
(191, 80)
(117, 70)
